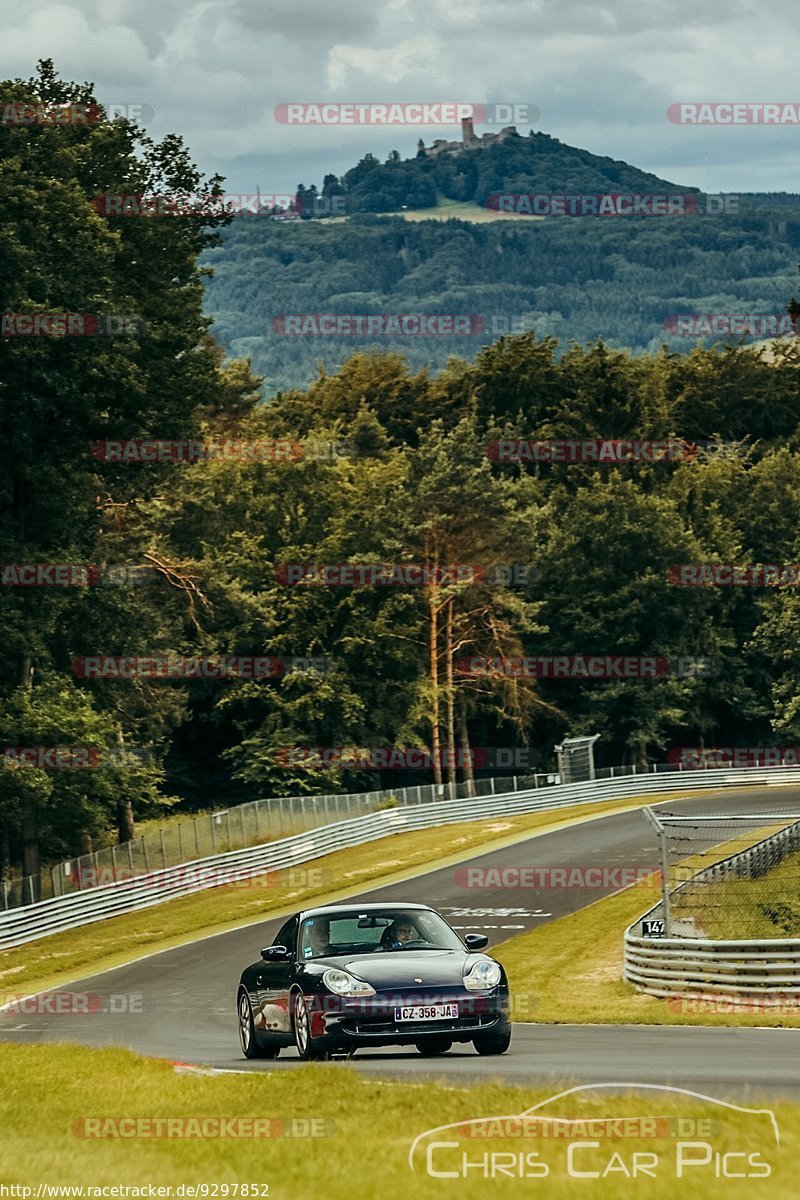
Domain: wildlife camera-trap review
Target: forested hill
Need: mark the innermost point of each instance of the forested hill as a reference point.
(577, 278)
(536, 163)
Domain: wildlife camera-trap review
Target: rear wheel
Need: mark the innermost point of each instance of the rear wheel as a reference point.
(302, 1031)
(433, 1046)
(247, 1032)
(492, 1045)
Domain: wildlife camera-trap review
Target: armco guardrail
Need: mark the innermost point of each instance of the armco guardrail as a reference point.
(234, 828)
(22, 925)
(692, 967)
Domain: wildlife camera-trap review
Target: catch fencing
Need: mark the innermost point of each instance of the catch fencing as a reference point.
(97, 903)
(687, 944)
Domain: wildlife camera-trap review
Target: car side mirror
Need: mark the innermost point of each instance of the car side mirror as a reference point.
(475, 941)
(273, 952)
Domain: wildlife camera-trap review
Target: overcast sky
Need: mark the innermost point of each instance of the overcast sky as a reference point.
(602, 76)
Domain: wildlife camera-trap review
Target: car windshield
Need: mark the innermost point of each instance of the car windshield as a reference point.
(390, 931)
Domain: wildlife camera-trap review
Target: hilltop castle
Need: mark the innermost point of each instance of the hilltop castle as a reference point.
(469, 140)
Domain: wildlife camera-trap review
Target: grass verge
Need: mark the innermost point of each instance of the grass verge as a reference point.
(369, 1126)
(570, 971)
(764, 907)
(60, 958)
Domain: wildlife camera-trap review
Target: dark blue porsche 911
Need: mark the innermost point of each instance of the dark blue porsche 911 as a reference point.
(344, 976)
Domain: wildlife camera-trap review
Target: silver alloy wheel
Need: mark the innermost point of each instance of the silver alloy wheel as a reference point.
(301, 1029)
(244, 1022)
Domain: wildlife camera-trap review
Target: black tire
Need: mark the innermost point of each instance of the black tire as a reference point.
(492, 1045)
(247, 1031)
(433, 1046)
(306, 1047)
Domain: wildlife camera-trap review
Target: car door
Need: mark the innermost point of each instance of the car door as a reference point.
(273, 980)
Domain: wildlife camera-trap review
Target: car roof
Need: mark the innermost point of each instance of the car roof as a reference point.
(332, 909)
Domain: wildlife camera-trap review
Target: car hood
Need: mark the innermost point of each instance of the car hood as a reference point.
(399, 968)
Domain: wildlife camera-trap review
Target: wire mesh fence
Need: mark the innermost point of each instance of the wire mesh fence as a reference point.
(235, 828)
(728, 876)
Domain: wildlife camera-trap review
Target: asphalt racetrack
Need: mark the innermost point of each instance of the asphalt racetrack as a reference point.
(180, 1004)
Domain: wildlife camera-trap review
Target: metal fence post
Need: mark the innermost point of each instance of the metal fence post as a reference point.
(662, 846)
(163, 849)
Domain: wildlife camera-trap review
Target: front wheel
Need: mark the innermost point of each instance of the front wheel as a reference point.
(492, 1045)
(306, 1048)
(247, 1032)
(433, 1046)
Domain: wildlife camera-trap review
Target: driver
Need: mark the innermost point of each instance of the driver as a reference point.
(396, 935)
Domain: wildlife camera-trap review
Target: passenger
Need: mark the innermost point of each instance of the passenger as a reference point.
(317, 937)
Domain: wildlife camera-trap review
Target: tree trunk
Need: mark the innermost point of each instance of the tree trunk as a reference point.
(5, 852)
(433, 650)
(31, 865)
(126, 825)
(451, 705)
(466, 754)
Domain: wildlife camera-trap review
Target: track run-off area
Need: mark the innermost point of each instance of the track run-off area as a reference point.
(179, 1004)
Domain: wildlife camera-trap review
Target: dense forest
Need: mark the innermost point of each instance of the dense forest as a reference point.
(190, 558)
(621, 279)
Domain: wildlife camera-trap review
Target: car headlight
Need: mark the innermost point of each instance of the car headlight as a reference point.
(342, 983)
(483, 976)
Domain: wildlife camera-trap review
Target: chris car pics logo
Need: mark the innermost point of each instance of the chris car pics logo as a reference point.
(649, 1131)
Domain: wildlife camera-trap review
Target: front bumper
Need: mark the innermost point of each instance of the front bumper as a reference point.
(370, 1021)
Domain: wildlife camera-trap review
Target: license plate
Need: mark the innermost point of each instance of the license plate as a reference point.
(427, 1012)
